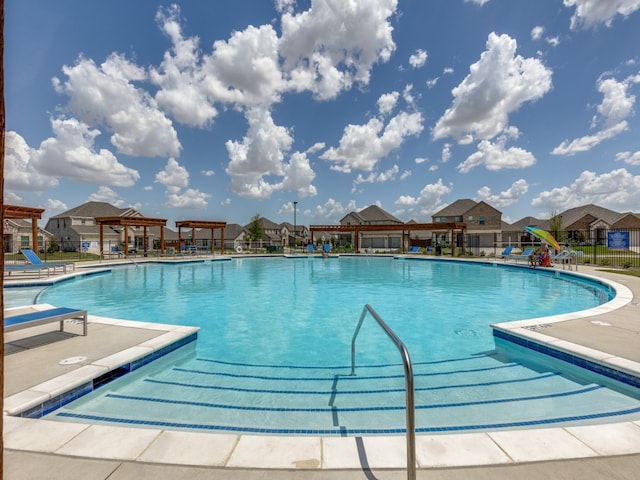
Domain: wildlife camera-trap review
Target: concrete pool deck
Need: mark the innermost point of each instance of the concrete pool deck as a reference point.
(51, 450)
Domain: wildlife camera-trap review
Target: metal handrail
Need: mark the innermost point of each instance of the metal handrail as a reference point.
(408, 377)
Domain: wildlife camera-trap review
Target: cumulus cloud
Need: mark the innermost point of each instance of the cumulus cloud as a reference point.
(334, 44)
(376, 177)
(617, 104)
(362, 146)
(418, 58)
(497, 85)
(495, 156)
(180, 75)
(175, 179)
(332, 210)
(506, 198)
(260, 157)
(106, 95)
(615, 189)
(70, 153)
(537, 32)
(590, 13)
(107, 195)
(630, 158)
(20, 171)
(428, 201)
(387, 102)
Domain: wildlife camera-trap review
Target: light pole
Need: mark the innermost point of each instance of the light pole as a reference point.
(295, 205)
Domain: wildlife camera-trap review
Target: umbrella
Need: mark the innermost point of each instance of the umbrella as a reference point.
(544, 235)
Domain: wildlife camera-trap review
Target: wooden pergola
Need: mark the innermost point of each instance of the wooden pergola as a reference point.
(14, 212)
(193, 224)
(406, 229)
(126, 222)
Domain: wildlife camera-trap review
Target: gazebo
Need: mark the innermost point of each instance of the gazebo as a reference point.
(126, 222)
(193, 224)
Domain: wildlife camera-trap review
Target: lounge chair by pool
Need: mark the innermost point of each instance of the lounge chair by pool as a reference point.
(41, 317)
(34, 259)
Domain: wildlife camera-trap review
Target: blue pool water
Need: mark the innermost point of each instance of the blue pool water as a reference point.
(273, 353)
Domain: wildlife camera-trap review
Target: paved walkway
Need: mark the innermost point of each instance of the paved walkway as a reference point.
(39, 449)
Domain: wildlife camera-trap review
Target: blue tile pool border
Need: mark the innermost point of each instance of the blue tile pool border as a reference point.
(69, 396)
(571, 358)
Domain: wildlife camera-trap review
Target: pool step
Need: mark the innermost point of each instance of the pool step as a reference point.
(454, 395)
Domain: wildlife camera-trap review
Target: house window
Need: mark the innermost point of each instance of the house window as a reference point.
(24, 241)
(481, 219)
(457, 219)
(470, 217)
(40, 241)
(83, 221)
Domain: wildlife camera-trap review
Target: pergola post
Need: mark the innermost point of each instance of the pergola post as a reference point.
(101, 242)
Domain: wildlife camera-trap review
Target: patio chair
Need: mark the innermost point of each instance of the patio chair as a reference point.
(414, 249)
(506, 252)
(563, 257)
(34, 259)
(522, 256)
(27, 267)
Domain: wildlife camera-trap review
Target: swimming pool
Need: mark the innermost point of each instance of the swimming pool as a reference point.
(273, 355)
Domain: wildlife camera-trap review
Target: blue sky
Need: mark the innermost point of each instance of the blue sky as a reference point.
(223, 110)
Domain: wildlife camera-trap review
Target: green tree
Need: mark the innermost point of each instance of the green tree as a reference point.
(255, 229)
(555, 227)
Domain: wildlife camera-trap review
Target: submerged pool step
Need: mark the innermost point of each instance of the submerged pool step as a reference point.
(454, 395)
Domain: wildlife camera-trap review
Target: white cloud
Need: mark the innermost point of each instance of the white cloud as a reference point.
(387, 102)
(590, 13)
(335, 44)
(105, 95)
(208, 173)
(497, 85)
(537, 32)
(20, 172)
(175, 178)
(494, 156)
(55, 206)
(617, 104)
(586, 143)
(260, 156)
(418, 59)
(332, 210)
(362, 146)
(630, 158)
(618, 190)
(427, 202)
(180, 76)
(506, 198)
(107, 195)
(432, 82)
(478, 2)
(377, 177)
(72, 154)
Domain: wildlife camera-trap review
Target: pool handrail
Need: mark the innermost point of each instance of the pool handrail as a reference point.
(409, 388)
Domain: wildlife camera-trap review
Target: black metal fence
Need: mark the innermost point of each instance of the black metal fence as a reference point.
(605, 247)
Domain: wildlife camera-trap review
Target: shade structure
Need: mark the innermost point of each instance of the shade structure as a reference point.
(544, 235)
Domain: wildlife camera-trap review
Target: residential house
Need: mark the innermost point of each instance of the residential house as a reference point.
(484, 223)
(234, 236)
(273, 234)
(76, 229)
(373, 215)
(18, 233)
